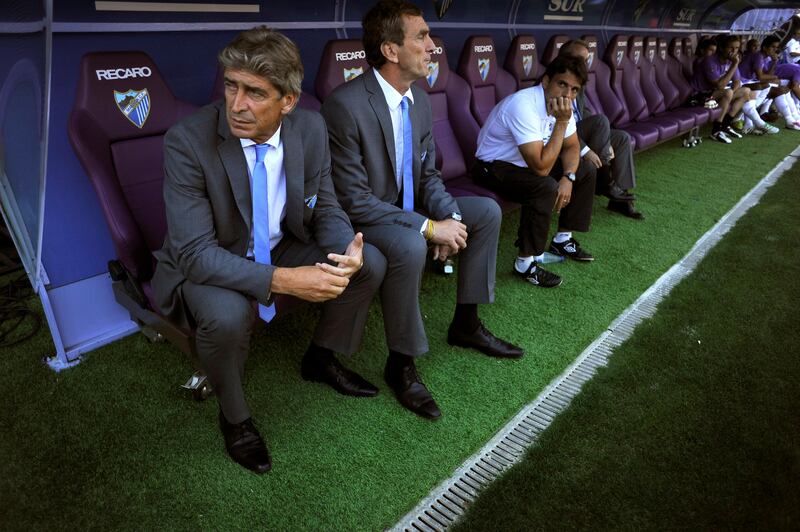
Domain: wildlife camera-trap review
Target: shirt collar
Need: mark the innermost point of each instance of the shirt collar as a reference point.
(274, 140)
(393, 98)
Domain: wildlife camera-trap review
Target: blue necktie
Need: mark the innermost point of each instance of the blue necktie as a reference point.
(261, 220)
(408, 158)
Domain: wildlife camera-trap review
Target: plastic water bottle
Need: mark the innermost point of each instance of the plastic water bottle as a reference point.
(548, 257)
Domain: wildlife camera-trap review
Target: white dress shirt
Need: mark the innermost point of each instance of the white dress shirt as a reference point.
(276, 185)
(393, 99)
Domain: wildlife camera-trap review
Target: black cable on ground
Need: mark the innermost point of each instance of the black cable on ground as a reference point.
(17, 321)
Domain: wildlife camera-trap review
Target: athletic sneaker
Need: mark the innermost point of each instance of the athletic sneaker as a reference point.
(793, 125)
(539, 276)
(769, 129)
(721, 136)
(732, 133)
(570, 249)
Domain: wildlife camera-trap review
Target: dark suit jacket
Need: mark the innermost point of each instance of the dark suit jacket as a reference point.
(584, 110)
(209, 206)
(363, 156)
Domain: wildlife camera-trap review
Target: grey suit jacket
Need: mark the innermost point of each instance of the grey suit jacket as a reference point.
(209, 206)
(363, 156)
(584, 110)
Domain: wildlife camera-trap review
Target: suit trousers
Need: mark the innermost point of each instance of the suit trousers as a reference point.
(406, 250)
(596, 132)
(224, 320)
(537, 194)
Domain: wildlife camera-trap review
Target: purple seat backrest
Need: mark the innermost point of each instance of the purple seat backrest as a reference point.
(675, 67)
(598, 88)
(625, 79)
(121, 112)
(669, 91)
(342, 60)
(522, 61)
(489, 83)
(455, 131)
(687, 58)
(307, 101)
(551, 50)
(644, 59)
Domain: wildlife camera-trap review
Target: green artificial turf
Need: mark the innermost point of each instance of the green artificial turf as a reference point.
(115, 444)
(695, 422)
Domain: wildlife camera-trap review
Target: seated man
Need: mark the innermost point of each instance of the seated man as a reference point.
(609, 150)
(760, 65)
(251, 212)
(380, 128)
(717, 76)
(791, 53)
(528, 150)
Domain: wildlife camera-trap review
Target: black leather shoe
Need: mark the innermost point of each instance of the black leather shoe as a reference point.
(615, 193)
(245, 445)
(484, 341)
(625, 208)
(411, 392)
(338, 377)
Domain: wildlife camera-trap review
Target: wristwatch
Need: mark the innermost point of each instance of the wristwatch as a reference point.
(570, 176)
(455, 216)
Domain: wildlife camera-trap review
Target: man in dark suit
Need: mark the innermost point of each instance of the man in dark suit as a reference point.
(251, 212)
(382, 149)
(608, 150)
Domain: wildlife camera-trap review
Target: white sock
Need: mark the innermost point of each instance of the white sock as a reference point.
(783, 108)
(748, 124)
(761, 96)
(523, 263)
(749, 109)
(764, 106)
(560, 238)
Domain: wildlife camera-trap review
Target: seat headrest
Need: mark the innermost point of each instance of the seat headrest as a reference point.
(650, 48)
(616, 50)
(591, 42)
(676, 47)
(342, 60)
(636, 49)
(478, 61)
(552, 48)
(688, 47)
(662, 48)
(523, 58)
(124, 94)
(438, 69)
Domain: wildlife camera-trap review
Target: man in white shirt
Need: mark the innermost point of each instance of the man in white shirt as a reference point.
(251, 212)
(791, 53)
(528, 151)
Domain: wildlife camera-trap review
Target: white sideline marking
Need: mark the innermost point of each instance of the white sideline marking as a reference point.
(436, 511)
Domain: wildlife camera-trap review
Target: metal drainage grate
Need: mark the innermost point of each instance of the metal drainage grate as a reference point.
(446, 503)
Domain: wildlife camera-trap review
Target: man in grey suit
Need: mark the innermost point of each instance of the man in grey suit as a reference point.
(251, 212)
(382, 149)
(608, 150)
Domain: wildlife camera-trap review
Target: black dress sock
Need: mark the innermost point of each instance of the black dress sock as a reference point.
(466, 317)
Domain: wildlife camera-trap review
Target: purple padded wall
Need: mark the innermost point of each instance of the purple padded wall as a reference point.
(478, 65)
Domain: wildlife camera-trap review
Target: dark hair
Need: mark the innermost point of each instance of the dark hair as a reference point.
(268, 54)
(724, 40)
(568, 63)
(569, 44)
(769, 41)
(703, 46)
(384, 23)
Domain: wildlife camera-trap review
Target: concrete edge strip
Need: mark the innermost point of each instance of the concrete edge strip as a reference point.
(448, 501)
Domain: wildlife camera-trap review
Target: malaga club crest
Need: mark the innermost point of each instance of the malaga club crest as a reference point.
(352, 73)
(590, 60)
(636, 55)
(433, 73)
(619, 56)
(135, 105)
(483, 67)
(527, 64)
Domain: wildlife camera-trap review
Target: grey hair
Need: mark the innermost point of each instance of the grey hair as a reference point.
(266, 53)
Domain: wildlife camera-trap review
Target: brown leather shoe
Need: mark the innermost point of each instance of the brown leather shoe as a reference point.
(338, 377)
(484, 341)
(411, 392)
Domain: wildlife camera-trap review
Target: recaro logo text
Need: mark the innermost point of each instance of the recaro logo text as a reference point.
(123, 73)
